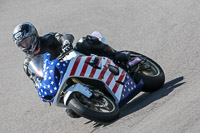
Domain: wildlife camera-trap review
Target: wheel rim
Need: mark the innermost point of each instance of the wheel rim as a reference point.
(102, 104)
(152, 71)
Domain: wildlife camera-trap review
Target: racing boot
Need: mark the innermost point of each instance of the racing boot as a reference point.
(72, 114)
(117, 56)
(123, 59)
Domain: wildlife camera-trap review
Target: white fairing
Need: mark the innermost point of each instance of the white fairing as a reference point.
(72, 55)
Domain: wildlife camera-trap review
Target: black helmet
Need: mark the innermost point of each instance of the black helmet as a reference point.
(26, 37)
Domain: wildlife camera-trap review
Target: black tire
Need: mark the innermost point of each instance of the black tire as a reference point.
(83, 110)
(151, 82)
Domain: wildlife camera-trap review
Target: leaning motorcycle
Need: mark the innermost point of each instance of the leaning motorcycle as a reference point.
(94, 86)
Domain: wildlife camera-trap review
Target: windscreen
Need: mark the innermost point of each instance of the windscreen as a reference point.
(35, 67)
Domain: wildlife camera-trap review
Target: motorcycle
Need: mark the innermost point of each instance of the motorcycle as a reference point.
(94, 87)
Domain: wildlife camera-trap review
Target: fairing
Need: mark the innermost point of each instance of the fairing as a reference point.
(121, 86)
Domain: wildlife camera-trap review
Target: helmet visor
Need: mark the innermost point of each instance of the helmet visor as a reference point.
(27, 43)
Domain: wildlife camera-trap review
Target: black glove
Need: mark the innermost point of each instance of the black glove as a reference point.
(63, 39)
(67, 47)
(67, 38)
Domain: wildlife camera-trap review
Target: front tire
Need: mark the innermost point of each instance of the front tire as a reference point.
(105, 109)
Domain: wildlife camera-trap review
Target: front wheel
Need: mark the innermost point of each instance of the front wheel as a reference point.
(101, 108)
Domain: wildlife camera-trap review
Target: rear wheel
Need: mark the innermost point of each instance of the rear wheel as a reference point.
(99, 107)
(153, 76)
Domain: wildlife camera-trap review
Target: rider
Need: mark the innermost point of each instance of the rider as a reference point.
(27, 39)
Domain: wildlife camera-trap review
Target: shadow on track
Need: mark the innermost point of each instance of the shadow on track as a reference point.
(145, 99)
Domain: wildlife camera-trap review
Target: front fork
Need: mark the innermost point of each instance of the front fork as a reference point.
(78, 87)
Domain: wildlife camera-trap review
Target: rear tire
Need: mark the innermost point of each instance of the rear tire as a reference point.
(151, 82)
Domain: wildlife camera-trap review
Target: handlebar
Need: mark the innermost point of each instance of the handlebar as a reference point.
(63, 54)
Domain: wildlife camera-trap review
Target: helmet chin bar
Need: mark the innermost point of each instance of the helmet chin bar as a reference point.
(36, 48)
(36, 51)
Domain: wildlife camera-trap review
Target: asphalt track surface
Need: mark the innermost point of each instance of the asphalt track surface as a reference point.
(168, 31)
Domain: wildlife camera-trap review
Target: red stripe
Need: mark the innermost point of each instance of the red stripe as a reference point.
(104, 69)
(75, 66)
(94, 69)
(117, 84)
(110, 77)
(85, 66)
